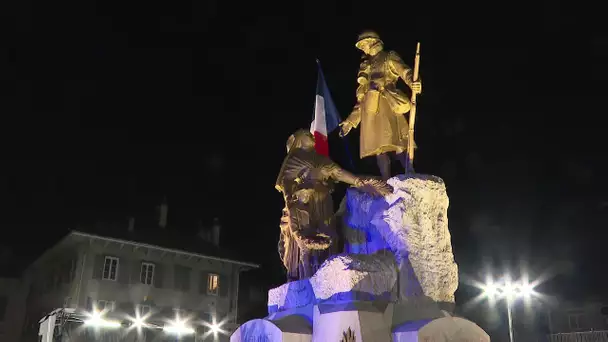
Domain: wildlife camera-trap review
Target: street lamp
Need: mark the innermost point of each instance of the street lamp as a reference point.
(97, 320)
(510, 292)
(215, 328)
(179, 328)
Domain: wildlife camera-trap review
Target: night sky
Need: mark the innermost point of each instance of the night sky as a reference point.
(109, 106)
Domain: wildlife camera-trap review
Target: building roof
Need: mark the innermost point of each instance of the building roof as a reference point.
(166, 239)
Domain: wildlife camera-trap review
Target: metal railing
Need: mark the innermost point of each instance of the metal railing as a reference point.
(584, 336)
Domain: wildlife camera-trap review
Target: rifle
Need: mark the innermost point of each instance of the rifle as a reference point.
(412, 121)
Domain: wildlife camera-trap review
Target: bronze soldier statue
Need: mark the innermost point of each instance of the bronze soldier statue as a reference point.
(306, 180)
(380, 104)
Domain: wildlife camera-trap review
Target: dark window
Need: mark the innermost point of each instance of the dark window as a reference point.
(182, 278)
(110, 268)
(574, 321)
(146, 275)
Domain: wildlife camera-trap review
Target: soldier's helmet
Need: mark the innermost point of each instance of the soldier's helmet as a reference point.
(367, 36)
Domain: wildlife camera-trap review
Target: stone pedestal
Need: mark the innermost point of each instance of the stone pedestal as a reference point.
(366, 321)
(293, 297)
(262, 330)
(394, 282)
(446, 329)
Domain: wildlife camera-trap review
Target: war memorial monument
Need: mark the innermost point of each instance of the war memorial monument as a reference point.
(381, 268)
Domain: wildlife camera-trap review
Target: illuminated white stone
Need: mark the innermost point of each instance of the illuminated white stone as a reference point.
(353, 275)
(413, 224)
(290, 295)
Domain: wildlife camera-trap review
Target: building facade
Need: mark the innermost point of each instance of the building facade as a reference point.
(125, 278)
(579, 321)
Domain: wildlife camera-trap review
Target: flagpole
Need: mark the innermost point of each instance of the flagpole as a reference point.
(321, 77)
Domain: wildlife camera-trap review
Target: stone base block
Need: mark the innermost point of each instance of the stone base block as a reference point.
(290, 295)
(359, 321)
(348, 277)
(445, 329)
(261, 330)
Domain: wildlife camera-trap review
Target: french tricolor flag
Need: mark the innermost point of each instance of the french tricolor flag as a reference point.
(326, 117)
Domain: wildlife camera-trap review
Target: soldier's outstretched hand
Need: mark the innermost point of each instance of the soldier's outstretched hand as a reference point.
(345, 127)
(376, 186)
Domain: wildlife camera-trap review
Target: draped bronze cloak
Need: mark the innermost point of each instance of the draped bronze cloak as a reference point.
(381, 105)
(307, 227)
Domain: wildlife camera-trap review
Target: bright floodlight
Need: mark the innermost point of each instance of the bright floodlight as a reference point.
(95, 320)
(102, 323)
(215, 328)
(139, 322)
(491, 290)
(178, 328)
(526, 290)
(509, 290)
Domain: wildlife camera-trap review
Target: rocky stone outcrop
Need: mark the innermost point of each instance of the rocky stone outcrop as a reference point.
(295, 294)
(355, 277)
(412, 224)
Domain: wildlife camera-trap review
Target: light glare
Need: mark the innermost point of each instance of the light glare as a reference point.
(508, 290)
(139, 322)
(491, 290)
(178, 330)
(178, 327)
(215, 328)
(526, 290)
(96, 320)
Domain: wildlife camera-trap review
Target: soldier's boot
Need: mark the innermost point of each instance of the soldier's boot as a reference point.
(384, 164)
(405, 162)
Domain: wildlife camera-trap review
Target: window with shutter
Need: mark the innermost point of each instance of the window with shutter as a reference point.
(182, 278)
(110, 268)
(574, 321)
(158, 275)
(202, 283)
(224, 286)
(146, 275)
(98, 266)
